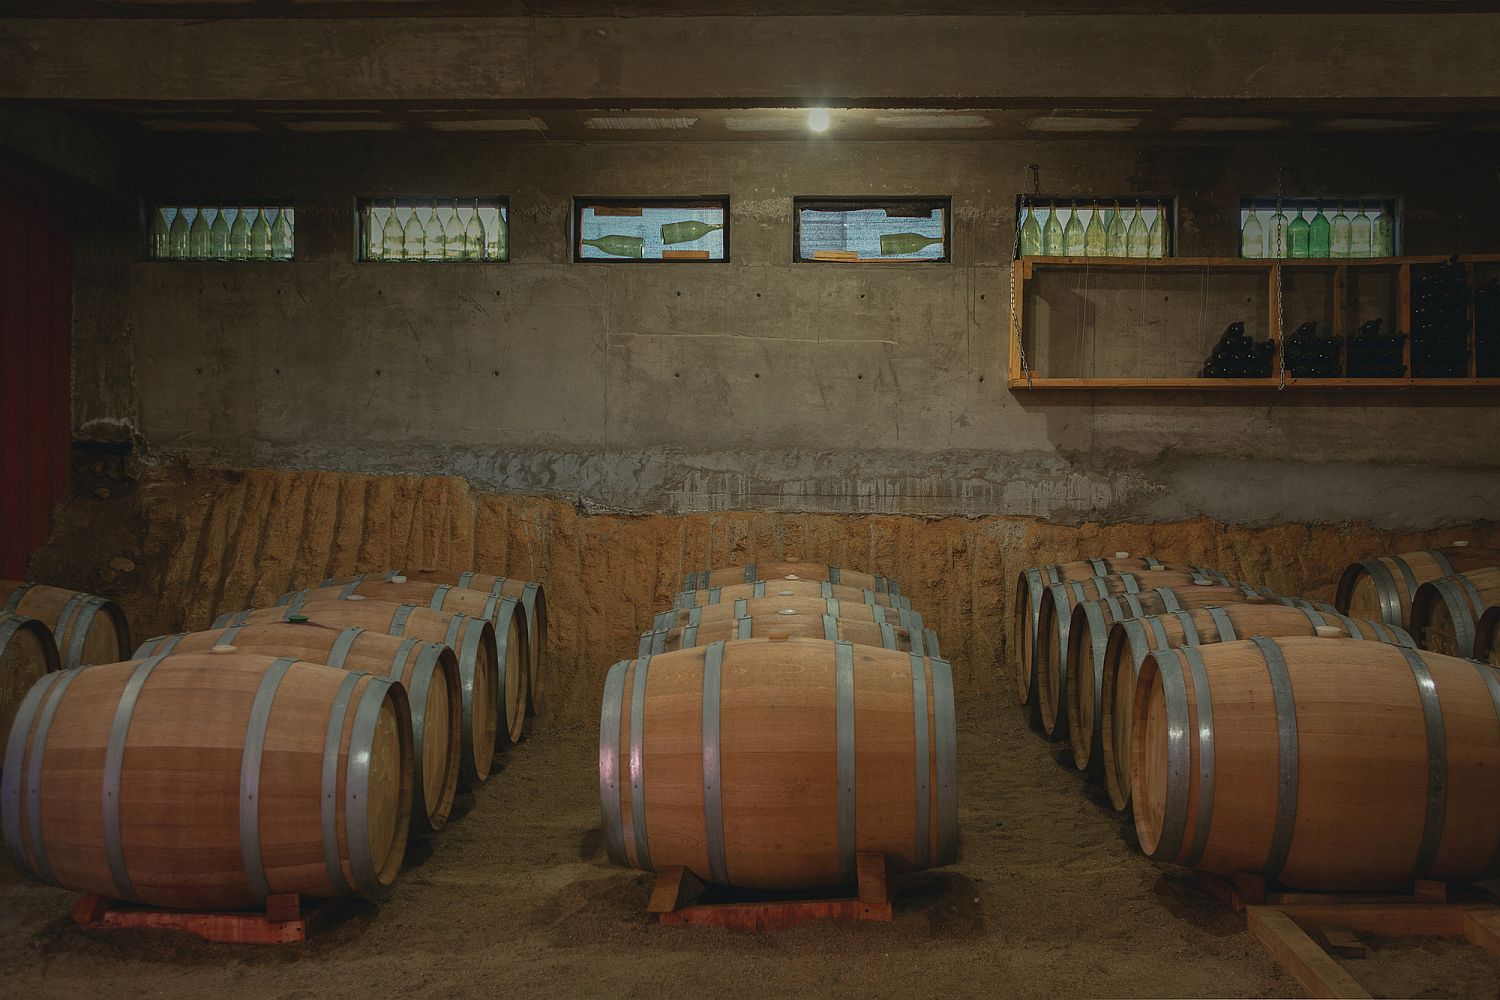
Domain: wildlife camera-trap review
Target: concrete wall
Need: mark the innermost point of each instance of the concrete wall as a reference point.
(758, 383)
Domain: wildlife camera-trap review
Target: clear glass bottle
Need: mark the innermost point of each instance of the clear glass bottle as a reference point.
(392, 239)
(1338, 235)
(1031, 234)
(260, 236)
(1318, 234)
(282, 238)
(1095, 236)
(158, 238)
(239, 235)
(198, 235)
(474, 235)
(1052, 234)
(374, 247)
(1114, 234)
(432, 234)
(177, 236)
(1252, 236)
(1073, 239)
(218, 236)
(1297, 235)
(1276, 234)
(1360, 233)
(1137, 236)
(1384, 244)
(499, 247)
(1156, 236)
(453, 235)
(413, 243)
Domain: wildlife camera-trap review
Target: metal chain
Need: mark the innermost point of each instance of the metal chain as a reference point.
(1036, 180)
(1280, 296)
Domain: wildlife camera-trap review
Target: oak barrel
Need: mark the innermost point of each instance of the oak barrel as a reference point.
(1323, 764)
(1383, 587)
(27, 651)
(791, 624)
(87, 629)
(209, 780)
(710, 596)
(1125, 643)
(428, 670)
(751, 607)
(772, 763)
(791, 571)
(1445, 612)
(532, 595)
(503, 612)
(471, 639)
(1487, 638)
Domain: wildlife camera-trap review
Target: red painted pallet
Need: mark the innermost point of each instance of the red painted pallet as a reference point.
(283, 922)
(676, 888)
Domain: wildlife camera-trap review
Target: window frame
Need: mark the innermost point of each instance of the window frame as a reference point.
(800, 202)
(148, 203)
(1168, 201)
(361, 202)
(581, 202)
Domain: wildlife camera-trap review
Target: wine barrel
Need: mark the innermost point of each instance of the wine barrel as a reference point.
(471, 639)
(791, 624)
(1445, 612)
(752, 607)
(1323, 764)
(503, 612)
(87, 629)
(791, 571)
(209, 780)
(1383, 588)
(771, 763)
(1118, 649)
(1033, 583)
(1486, 634)
(1056, 615)
(429, 671)
(27, 651)
(786, 588)
(532, 595)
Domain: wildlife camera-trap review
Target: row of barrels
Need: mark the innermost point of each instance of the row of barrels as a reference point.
(1255, 732)
(1448, 598)
(291, 748)
(779, 720)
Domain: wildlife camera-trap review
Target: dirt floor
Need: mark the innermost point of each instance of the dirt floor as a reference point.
(516, 899)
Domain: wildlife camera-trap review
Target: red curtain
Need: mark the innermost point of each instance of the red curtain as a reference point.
(36, 299)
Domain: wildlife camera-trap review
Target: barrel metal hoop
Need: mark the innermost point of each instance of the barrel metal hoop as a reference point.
(1159, 638)
(609, 761)
(1287, 753)
(1169, 601)
(491, 607)
(1444, 565)
(1464, 623)
(333, 739)
(1099, 567)
(741, 607)
(1491, 679)
(1152, 563)
(1190, 635)
(114, 762)
(65, 617)
(750, 574)
(398, 621)
(83, 620)
(1098, 641)
(689, 638)
(694, 616)
(713, 792)
(357, 785)
(1385, 590)
(868, 595)
(1130, 580)
(746, 628)
(931, 640)
(349, 589)
(843, 683)
(250, 762)
(1140, 643)
(439, 597)
(421, 683)
(1133, 602)
(1437, 763)
(1179, 755)
(338, 653)
(402, 654)
(714, 594)
(454, 624)
(921, 761)
(643, 648)
(877, 613)
(466, 578)
(888, 637)
(1204, 817)
(1052, 573)
(1034, 590)
(1407, 576)
(946, 848)
(48, 691)
(638, 764)
(1225, 627)
(296, 604)
(16, 596)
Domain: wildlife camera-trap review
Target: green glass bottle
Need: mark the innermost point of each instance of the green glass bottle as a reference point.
(619, 246)
(1137, 236)
(1252, 236)
(158, 239)
(1277, 242)
(453, 235)
(177, 236)
(686, 231)
(1156, 236)
(1115, 243)
(432, 234)
(260, 236)
(1095, 236)
(900, 244)
(499, 247)
(1052, 235)
(198, 236)
(218, 236)
(392, 237)
(282, 247)
(1073, 242)
(473, 241)
(1031, 235)
(239, 235)
(1297, 234)
(1338, 235)
(1318, 234)
(413, 243)
(1385, 235)
(1360, 232)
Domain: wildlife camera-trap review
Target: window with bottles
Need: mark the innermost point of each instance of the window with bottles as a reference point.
(1129, 226)
(253, 229)
(1318, 227)
(434, 230)
(651, 229)
(871, 230)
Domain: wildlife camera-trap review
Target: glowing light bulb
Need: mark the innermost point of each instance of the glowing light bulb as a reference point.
(817, 119)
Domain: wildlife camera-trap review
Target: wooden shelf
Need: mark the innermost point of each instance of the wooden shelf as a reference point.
(1398, 271)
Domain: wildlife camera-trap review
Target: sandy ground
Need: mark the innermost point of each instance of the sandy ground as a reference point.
(516, 899)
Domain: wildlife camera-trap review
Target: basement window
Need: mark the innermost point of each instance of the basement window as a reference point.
(1127, 226)
(251, 229)
(871, 230)
(651, 230)
(431, 230)
(1319, 227)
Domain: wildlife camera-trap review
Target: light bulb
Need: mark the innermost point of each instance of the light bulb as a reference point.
(817, 119)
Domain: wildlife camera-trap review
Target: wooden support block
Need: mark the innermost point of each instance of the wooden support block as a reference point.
(675, 888)
(89, 909)
(874, 892)
(1483, 928)
(1387, 919)
(1300, 956)
(765, 916)
(1235, 891)
(1250, 886)
(283, 907)
(283, 923)
(1427, 891)
(1343, 943)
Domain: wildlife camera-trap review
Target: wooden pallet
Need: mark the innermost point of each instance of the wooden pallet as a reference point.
(284, 921)
(676, 889)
